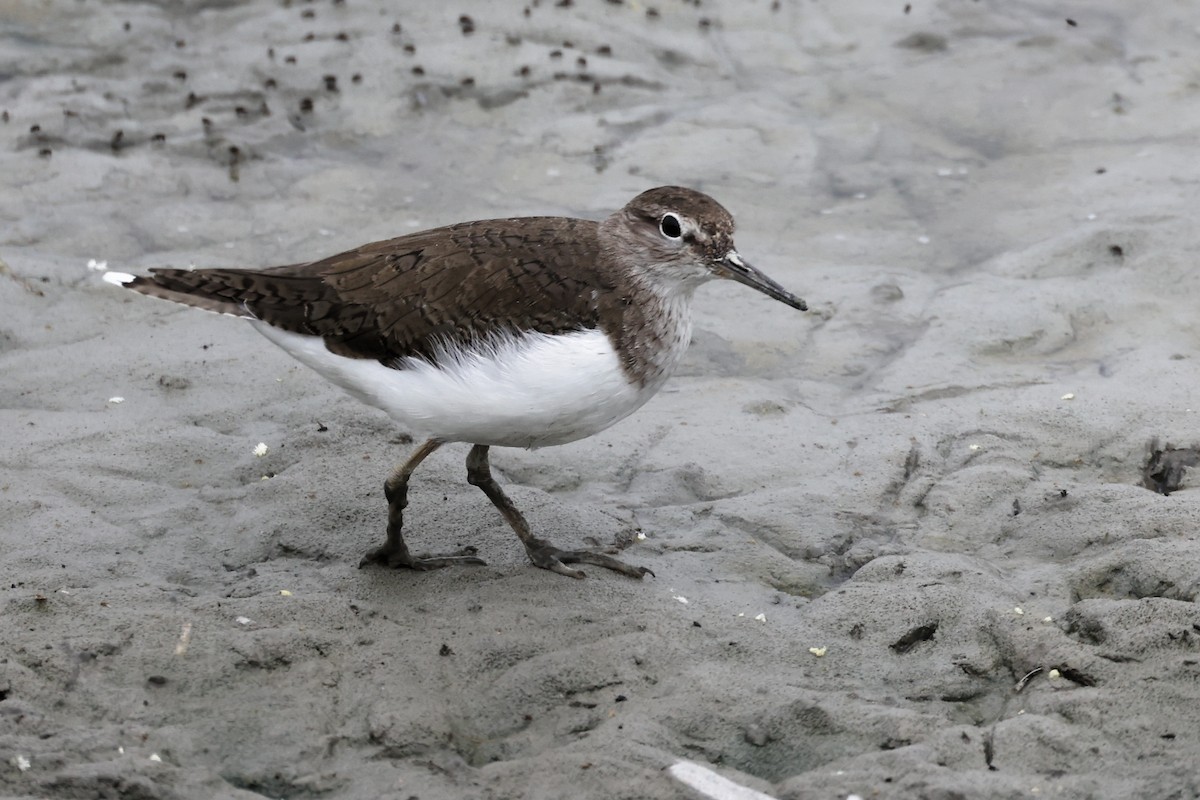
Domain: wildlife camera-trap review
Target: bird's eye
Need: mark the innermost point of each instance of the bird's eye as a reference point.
(670, 227)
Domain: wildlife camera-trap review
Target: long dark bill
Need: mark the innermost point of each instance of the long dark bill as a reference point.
(737, 269)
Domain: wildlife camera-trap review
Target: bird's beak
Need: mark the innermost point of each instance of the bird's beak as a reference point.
(734, 268)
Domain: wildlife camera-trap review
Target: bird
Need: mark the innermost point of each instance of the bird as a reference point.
(519, 332)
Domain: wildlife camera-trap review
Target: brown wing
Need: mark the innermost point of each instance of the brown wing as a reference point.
(413, 295)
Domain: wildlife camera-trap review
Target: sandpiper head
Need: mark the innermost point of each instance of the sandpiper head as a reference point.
(684, 237)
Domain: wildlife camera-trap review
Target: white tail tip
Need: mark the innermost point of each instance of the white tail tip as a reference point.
(118, 278)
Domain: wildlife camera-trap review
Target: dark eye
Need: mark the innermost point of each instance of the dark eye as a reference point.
(670, 227)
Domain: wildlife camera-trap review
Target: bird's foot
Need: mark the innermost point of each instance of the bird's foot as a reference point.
(398, 558)
(547, 556)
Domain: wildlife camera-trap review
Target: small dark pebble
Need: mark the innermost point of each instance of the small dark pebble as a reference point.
(396, 27)
(564, 3)
(581, 62)
(126, 26)
(467, 81)
(696, 624)
(157, 680)
(445, 650)
(179, 75)
(35, 128)
(1101, 170)
(418, 70)
(115, 142)
(604, 50)
(308, 37)
(240, 111)
(466, 25)
(1072, 23)
(908, 8)
(330, 83)
(45, 152)
(158, 138)
(596, 87)
(620, 698)
(269, 83)
(342, 36)
(306, 104)
(556, 54)
(523, 72)
(180, 43)
(322, 427)
(4, 115)
(356, 77)
(308, 13)
(652, 13)
(410, 48)
(290, 60)
(206, 122)
(1116, 250)
(193, 100)
(271, 52)
(568, 44)
(705, 22)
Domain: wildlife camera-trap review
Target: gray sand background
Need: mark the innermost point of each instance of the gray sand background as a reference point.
(928, 487)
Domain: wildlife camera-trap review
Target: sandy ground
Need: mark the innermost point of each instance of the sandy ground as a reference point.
(883, 515)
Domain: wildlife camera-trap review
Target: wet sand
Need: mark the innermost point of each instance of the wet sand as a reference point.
(905, 544)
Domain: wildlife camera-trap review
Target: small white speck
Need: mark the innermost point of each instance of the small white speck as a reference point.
(116, 400)
(1068, 396)
(1047, 620)
(641, 536)
(854, 797)
(761, 617)
(680, 598)
(22, 763)
(286, 593)
(1019, 611)
(97, 266)
(825, 211)
(819, 652)
(711, 786)
(185, 637)
(324, 232)
(839, 237)
(413, 223)
(1019, 713)
(945, 172)
(553, 172)
(1091, 216)
(260, 449)
(243, 620)
(156, 758)
(860, 196)
(120, 750)
(182, 229)
(974, 448)
(64, 591)
(923, 239)
(229, 245)
(741, 613)
(1053, 674)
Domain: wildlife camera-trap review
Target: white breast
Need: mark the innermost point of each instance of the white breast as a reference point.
(518, 391)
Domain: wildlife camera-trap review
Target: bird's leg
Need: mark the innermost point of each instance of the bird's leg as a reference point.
(541, 553)
(393, 552)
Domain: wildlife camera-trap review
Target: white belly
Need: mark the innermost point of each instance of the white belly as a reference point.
(525, 391)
